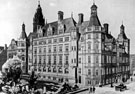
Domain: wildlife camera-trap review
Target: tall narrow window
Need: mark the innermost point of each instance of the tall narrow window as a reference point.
(60, 59)
(54, 59)
(49, 49)
(66, 48)
(89, 45)
(89, 72)
(60, 48)
(89, 36)
(66, 57)
(89, 59)
(96, 59)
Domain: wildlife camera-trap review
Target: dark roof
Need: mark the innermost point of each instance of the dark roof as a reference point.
(122, 36)
(94, 21)
(93, 6)
(23, 35)
(68, 23)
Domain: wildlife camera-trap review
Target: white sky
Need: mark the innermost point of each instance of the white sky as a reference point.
(14, 12)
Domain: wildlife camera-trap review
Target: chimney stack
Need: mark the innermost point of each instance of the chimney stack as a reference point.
(80, 18)
(60, 15)
(106, 27)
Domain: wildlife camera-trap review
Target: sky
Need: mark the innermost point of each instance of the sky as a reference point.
(14, 12)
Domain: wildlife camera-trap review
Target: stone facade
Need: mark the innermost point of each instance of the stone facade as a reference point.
(102, 59)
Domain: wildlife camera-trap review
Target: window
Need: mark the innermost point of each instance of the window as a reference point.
(60, 59)
(79, 71)
(35, 59)
(54, 69)
(49, 69)
(44, 42)
(49, 49)
(96, 59)
(66, 57)
(44, 60)
(35, 50)
(55, 40)
(54, 59)
(89, 45)
(44, 49)
(96, 36)
(49, 59)
(60, 70)
(54, 48)
(22, 44)
(89, 72)
(44, 69)
(60, 48)
(39, 59)
(89, 36)
(66, 70)
(66, 48)
(40, 50)
(66, 39)
(89, 59)
(49, 41)
(40, 42)
(96, 72)
(60, 39)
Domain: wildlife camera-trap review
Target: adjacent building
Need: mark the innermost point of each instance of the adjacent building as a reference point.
(19, 48)
(57, 48)
(132, 64)
(3, 55)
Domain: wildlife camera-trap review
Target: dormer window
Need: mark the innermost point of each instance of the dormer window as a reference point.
(61, 28)
(49, 31)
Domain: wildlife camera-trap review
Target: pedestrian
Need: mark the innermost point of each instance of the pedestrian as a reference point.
(90, 89)
(94, 89)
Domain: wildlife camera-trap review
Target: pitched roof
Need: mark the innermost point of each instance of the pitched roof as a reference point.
(94, 21)
(68, 23)
(23, 35)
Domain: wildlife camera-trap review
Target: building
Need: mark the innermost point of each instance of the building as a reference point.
(55, 47)
(19, 48)
(3, 55)
(132, 64)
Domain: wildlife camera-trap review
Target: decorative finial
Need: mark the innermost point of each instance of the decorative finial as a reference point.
(122, 22)
(93, 2)
(38, 2)
(71, 14)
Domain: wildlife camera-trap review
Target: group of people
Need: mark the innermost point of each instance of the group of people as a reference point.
(92, 89)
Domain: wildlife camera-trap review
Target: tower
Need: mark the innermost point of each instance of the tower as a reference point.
(38, 20)
(94, 21)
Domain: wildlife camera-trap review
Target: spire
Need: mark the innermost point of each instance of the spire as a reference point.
(38, 3)
(38, 19)
(122, 28)
(94, 21)
(23, 33)
(122, 32)
(71, 14)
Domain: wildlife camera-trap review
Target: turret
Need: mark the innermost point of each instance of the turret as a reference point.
(38, 19)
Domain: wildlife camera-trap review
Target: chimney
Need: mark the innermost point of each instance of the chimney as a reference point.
(60, 15)
(80, 20)
(5, 46)
(106, 27)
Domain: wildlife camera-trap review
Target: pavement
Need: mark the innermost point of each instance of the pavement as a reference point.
(108, 90)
